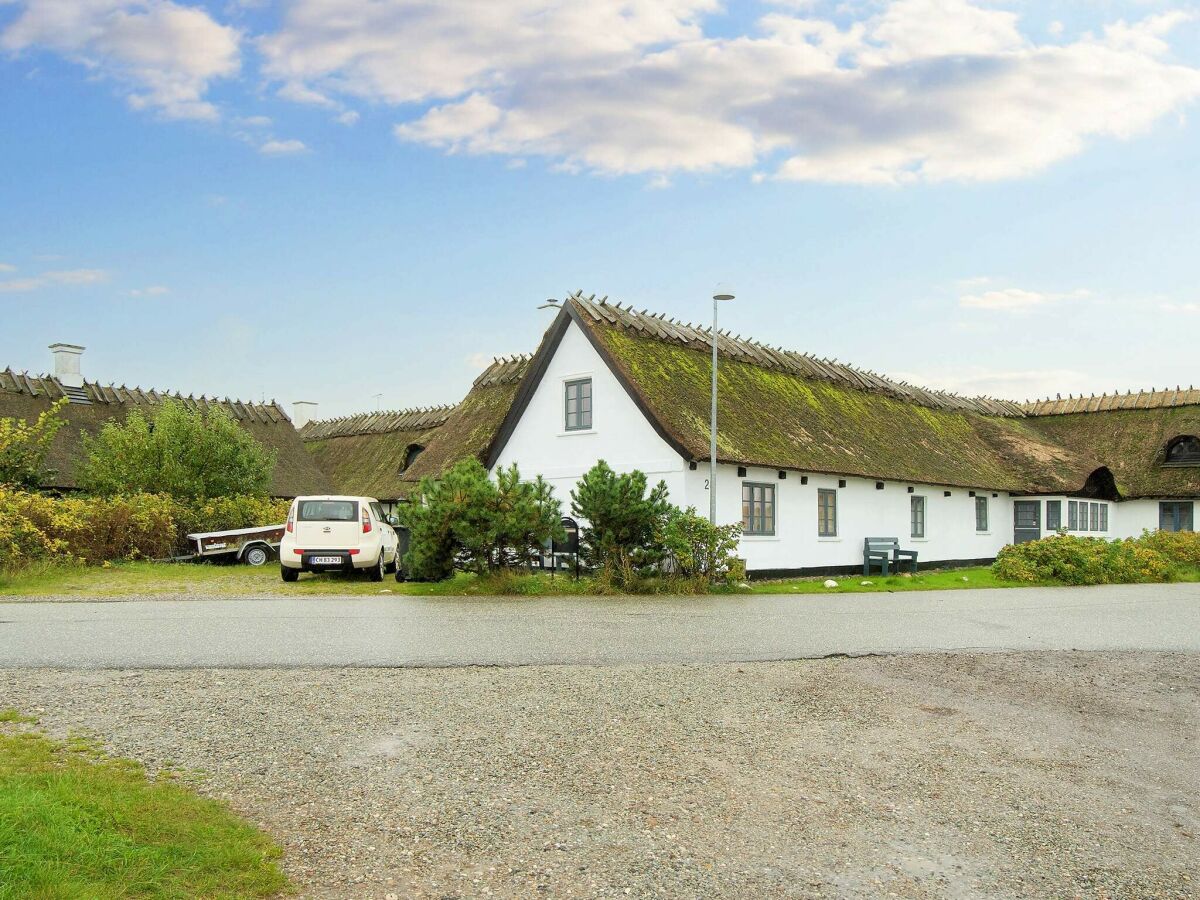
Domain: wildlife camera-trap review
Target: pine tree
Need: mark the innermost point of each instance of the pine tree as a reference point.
(622, 520)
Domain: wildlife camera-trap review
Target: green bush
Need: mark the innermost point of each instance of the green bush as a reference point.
(25, 534)
(1068, 559)
(23, 447)
(186, 453)
(624, 523)
(698, 548)
(465, 520)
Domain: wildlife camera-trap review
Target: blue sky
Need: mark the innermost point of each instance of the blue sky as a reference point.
(329, 200)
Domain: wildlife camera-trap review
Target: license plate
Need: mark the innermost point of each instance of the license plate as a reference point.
(325, 560)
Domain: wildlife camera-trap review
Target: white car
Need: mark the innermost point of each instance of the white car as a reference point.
(338, 534)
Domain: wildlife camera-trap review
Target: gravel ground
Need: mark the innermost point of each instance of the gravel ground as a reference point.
(998, 775)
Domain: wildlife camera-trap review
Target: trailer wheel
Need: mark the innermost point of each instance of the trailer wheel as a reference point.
(258, 555)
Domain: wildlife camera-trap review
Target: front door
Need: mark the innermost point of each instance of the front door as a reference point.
(1027, 520)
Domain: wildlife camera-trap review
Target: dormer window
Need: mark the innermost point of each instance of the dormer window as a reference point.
(411, 452)
(1183, 451)
(577, 396)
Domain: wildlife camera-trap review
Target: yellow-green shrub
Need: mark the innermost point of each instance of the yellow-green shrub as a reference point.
(98, 529)
(1082, 560)
(1179, 547)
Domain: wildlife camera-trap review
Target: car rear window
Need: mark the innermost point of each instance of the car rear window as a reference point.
(328, 511)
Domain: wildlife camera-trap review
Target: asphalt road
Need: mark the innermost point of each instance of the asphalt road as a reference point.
(437, 631)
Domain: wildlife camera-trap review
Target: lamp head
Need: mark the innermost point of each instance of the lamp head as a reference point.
(550, 303)
(723, 292)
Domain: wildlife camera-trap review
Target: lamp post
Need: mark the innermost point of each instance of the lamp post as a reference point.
(723, 292)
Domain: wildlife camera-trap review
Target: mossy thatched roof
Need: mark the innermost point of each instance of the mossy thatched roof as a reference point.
(1131, 443)
(366, 454)
(786, 410)
(24, 396)
(787, 421)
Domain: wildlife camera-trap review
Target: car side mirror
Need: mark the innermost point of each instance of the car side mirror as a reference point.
(393, 520)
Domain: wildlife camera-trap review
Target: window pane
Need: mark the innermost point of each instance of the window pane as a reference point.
(1104, 517)
(1053, 515)
(1072, 515)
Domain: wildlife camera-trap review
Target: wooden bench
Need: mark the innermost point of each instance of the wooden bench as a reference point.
(885, 551)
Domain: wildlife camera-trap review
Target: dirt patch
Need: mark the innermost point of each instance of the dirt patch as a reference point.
(1005, 775)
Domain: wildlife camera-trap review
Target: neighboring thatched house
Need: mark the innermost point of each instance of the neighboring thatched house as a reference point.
(26, 396)
(386, 454)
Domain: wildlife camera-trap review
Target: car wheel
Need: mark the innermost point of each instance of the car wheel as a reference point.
(394, 564)
(257, 556)
(375, 573)
(288, 574)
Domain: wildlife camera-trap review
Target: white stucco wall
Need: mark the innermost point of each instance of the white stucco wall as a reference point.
(620, 434)
(863, 510)
(1133, 517)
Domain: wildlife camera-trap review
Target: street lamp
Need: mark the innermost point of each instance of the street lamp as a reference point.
(723, 292)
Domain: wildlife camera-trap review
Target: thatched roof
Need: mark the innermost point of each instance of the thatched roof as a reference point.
(25, 396)
(1132, 444)
(367, 454)
(787, 410)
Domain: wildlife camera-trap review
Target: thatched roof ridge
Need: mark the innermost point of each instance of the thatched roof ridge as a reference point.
(379, 422)
(1165, 398)
(112, 394)
(778, 359)
(504, 370)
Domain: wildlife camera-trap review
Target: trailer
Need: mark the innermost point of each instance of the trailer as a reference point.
(253, 546)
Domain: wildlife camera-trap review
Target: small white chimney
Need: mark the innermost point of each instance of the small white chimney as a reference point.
(66, 363)
(303, 412)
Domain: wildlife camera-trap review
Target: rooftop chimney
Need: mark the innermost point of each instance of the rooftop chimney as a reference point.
(303, 412)
(66, 364)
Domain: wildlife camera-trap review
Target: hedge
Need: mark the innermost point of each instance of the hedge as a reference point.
(95, 530)
(1068, 559)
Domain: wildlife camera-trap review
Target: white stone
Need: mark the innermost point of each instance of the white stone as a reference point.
(830, 583)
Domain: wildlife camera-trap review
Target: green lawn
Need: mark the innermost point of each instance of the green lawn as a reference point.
(75, 823)
(134, 578)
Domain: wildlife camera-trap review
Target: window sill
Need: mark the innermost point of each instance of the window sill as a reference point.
(829, 540)
(919, 540)
(983, 534)
(577, 431)
(759, 538)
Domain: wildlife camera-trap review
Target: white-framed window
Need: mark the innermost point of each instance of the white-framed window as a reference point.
(981, 513)
(758, 508)
(577, 404)
(827, 512)
(916, 510)
(1072, 515)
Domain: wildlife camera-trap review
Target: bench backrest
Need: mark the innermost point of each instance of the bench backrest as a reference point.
(881, 543)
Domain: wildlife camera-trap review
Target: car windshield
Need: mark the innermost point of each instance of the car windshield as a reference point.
(328, 511)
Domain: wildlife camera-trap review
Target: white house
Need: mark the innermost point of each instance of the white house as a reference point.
(814, 456)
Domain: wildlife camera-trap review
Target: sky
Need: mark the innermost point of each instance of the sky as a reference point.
(361, 204)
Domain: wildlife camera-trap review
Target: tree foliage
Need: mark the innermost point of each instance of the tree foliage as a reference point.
(623, 520)
(698, 548)
(23, 447)
(186, 453)
(465, 520)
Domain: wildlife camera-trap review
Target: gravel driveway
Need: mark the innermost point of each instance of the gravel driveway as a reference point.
(998, 775)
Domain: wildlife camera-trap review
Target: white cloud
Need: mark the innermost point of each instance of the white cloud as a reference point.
(5, 267)
(931, 90)
(282, 148)
(1016, 299)
(479, 361)
(154, 290)
(349, 117)
(51, 279)
(1181, 307)
(164, 54)
(254, 121)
